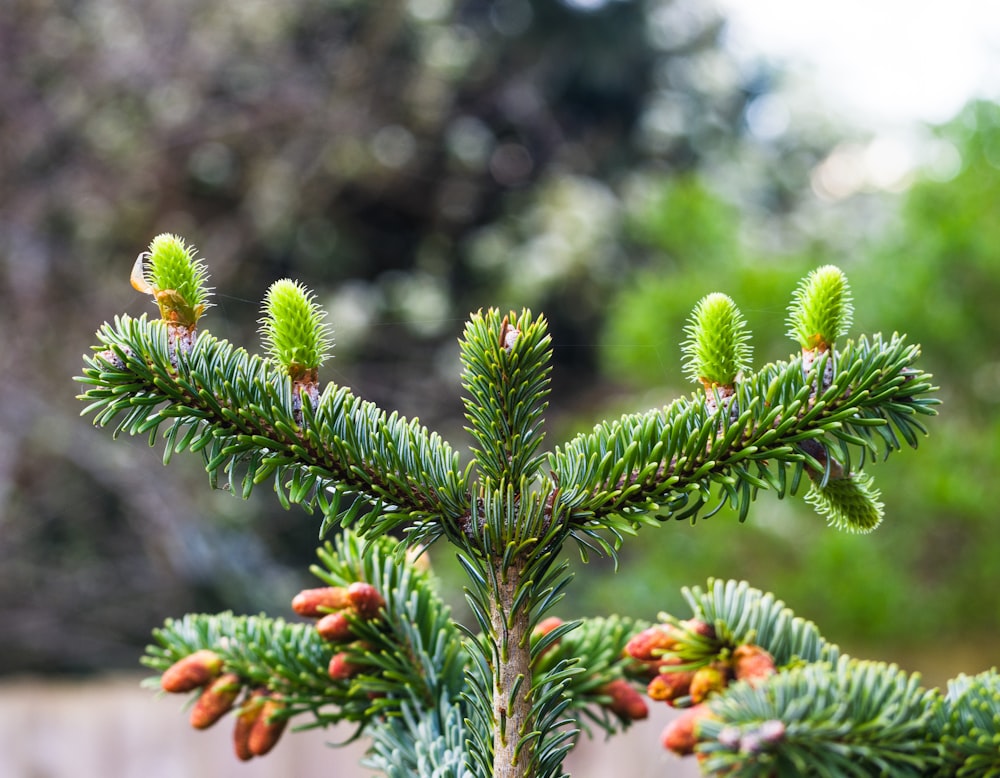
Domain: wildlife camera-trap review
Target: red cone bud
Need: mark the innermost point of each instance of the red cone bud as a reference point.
(335, 627)
(216, 700)
(267, 727)
(313, 603)
(752, 664)
(667, 687)
(708, 680)
(365, 599)
(543, 628)
(245, 720)
(699, 627)
(681, 734)
(626, 702)
(651, 643)
(341, 669)
(192, 671)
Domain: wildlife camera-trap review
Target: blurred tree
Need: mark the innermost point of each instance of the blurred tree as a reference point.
(416, 159)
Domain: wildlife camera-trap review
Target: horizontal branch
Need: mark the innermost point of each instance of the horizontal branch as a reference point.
(665, 462)
(239, 411)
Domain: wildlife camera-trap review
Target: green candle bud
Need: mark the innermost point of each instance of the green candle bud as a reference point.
(851, 503)
(292, 328)
(175, 277)
(821, 309)
(717, 349)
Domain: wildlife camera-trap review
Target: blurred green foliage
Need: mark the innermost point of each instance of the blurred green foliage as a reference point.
(929, 573)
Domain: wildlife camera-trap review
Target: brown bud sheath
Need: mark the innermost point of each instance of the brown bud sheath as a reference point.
(341, 669)
(626, 702)
(707, 680)
(313, 603)
(681, 734)
(335, 627)
(365, 599)
(245, 720)
(267, 727)
(216, 700)
(192, 671)
(752, 664)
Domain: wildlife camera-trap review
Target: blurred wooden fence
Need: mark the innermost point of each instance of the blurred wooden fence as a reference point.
(110, 728)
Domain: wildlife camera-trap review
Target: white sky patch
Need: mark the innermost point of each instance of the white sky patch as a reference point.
(883, 63)
(886, 67)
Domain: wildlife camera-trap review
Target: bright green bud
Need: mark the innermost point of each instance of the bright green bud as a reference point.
(170, 272)
(294, 334)
(821, 309)
(850, 503)
(717, 349)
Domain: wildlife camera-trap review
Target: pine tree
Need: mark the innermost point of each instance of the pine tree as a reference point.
(375, 644)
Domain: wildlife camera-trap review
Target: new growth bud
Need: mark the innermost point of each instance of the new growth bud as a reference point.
(717, 349)
(821, 309)
(176, 280)
(850, 503)
(292, 330)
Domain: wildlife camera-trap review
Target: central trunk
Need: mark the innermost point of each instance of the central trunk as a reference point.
(511, 680)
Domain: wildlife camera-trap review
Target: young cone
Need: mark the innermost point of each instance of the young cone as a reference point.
(192, 671)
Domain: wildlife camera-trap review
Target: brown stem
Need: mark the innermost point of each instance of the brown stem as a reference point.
(511, 713)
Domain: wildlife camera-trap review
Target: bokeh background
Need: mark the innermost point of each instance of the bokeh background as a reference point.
(607, 162)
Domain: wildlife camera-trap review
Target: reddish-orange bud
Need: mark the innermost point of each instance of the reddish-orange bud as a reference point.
(246, 718)
(341, 668)
(313, 603)
(652, 642)
(335, 627)
(192, 671)
(626, 702)
(267, 727)
(667, 687)
(216, 700)
(699, 627)
(681, 734)
(708, 680)
(365, 599)
(752, 664)
(545, 626)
